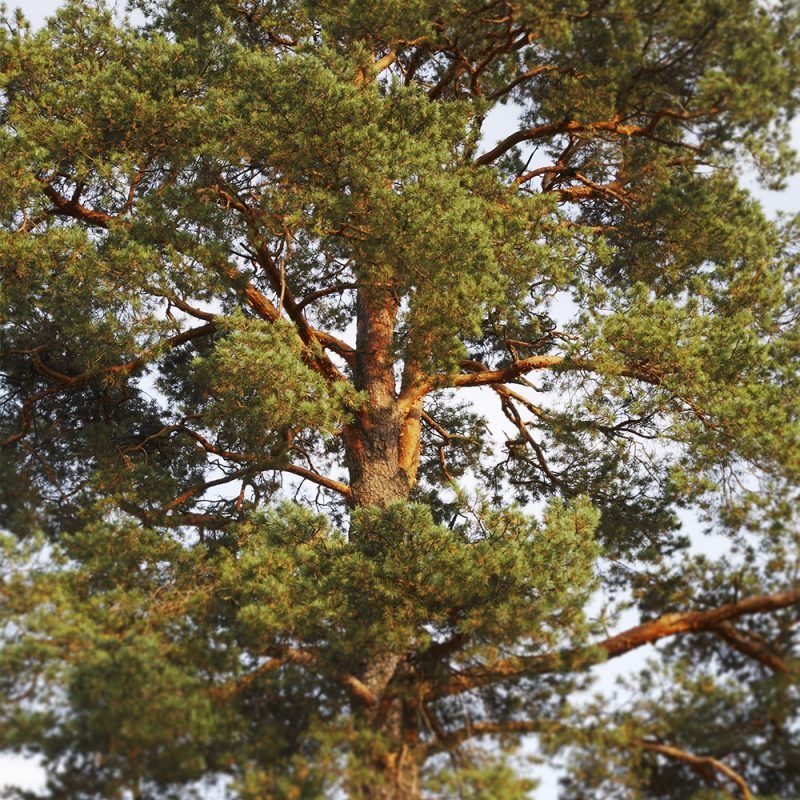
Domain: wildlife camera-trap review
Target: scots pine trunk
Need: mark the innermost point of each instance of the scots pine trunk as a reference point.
(374, 446)
(373, 439)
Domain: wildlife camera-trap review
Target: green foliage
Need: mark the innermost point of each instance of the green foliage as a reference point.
(173, 653)
(254, 256)
(485, 777)
(258, 386)
(704, 697)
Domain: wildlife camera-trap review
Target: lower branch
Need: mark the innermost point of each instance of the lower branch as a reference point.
(698, 762)
(757, 650)
(614, 646)
(65, 382)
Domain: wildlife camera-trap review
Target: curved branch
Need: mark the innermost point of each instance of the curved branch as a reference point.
(527, 75)
(650, 632)
(293, 655)
(25, 414)
(367, 73)
(526, 135)
(71, 381)
(336, 288)
(563, 363)
(202, 487)
(698, 762)
(756, 650)
(694, 621)
(252, 458)
(187, 308)
(492, 377)
(336, 345)
(509, 373)
(73, 208)
(615, 125)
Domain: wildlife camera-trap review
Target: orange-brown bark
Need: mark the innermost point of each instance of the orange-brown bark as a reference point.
(650, 632)
(699, 762)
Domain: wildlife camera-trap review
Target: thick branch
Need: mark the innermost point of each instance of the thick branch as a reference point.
(616, 126)
(493, 377)
(336, 345)
(650, 632)
(315, 477)
(366, 74)
(359, 690)
(564, 363)
(694, 621)
(73, 208)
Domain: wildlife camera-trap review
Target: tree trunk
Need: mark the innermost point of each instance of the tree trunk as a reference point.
(380, 475)
(372, 441)
(397, 778)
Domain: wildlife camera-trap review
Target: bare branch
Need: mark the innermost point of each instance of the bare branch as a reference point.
(527, 75)
(282, 656)
(202, 487)
(492, 377)
(615, 126)
(260, 463)
(336, 288)
(694, 621)
(749, 647)
(315, 477)
(698, 762)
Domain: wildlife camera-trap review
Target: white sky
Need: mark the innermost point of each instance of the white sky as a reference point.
(26, 772)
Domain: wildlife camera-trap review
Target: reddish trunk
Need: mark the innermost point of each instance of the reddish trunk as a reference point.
(373, 440)
(382, 464)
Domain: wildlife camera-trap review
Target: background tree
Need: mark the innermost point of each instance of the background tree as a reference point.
(253, 255)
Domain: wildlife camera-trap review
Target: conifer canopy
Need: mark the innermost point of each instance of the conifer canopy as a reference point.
(359, 363)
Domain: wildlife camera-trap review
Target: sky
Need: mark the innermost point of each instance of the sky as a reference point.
(27, 773)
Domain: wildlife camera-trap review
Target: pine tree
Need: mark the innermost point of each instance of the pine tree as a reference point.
(256, 254)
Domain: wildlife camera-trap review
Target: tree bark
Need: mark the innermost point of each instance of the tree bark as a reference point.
(381, 459)
(372, 440)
